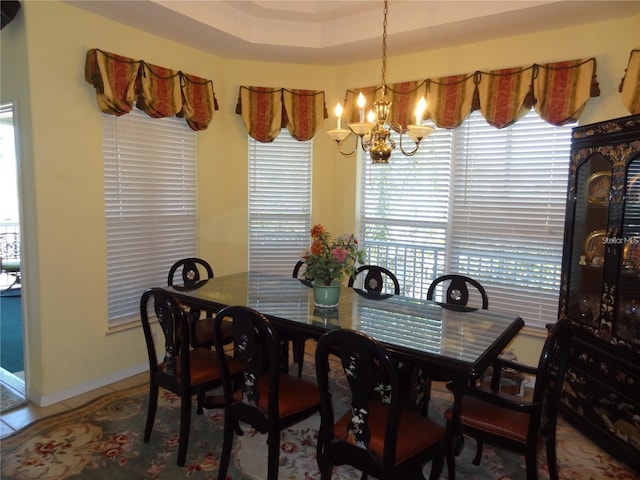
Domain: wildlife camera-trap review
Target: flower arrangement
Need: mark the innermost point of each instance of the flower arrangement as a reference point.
(330, 259)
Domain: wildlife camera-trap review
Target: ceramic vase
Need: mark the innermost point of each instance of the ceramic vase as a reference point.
(326, 296)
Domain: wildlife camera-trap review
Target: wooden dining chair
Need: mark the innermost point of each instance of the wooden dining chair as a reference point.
(457, 293)
(189, 273)
(378, 435)
(376, 280)
(267, 399)
(511, 422)
(183, 370)
(10, 257)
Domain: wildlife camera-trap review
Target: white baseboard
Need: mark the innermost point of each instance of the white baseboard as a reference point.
(46, 400)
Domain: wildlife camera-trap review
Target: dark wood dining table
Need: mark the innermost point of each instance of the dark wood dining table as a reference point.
(457, 343)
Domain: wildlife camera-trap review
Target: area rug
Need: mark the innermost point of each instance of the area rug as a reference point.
(103, 440)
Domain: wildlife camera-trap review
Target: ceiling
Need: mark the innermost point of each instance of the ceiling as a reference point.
(328, 32)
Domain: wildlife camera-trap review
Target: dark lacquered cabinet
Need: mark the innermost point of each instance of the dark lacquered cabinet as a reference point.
(600, 286)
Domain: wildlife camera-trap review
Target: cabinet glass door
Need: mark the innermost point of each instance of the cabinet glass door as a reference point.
(628, 325)
(593, 187)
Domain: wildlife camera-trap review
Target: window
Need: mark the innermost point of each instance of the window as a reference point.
(150, 205)
(279, 203)
(478, 201)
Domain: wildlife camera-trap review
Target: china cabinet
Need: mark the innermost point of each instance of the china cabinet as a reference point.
(600, 286)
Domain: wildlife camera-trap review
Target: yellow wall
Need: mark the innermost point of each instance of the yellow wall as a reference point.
(69, 350)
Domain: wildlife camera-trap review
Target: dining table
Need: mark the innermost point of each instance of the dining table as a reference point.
(457, 343)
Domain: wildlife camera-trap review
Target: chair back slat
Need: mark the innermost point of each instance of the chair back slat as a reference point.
(457, 292)
(375, 280)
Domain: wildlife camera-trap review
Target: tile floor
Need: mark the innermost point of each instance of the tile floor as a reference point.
(20, 417)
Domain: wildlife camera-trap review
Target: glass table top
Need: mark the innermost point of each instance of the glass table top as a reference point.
(421, 328)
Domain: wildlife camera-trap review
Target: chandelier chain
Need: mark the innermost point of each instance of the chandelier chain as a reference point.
(384, 51)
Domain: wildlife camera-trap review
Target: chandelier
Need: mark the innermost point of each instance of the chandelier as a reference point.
(375, 133)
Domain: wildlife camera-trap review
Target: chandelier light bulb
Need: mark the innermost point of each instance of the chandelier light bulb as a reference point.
(339, 111)
(361, 103)
(420, 109)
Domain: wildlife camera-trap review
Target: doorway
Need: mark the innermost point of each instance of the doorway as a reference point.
(11, 321)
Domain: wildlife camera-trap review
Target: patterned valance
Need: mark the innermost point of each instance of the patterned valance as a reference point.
(265, 111)
(160, 92)
(559, 92)
(630, 84)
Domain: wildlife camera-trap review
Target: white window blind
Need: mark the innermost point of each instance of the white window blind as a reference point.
(279, 203)
(478, 201)
(150, 205)
(508, 213)
(404, 213)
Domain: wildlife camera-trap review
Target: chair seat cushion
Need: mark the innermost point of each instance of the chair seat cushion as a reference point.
(205, 367)
(493, 419)
(415, 432)
(296, 394)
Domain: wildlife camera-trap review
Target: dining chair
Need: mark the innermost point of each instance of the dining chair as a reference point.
(510, 422)
(457, 292)
(267, 399)
(190, 270)
(377, 280)
(189, 273)
(10, 257)
(183, 370)
(379, 435)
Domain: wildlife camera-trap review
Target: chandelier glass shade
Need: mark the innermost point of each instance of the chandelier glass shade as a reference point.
(374, 134)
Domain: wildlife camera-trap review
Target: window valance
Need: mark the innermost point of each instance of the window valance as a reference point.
(630, 84)
(265, 111)
(158, 91)
(558, 91)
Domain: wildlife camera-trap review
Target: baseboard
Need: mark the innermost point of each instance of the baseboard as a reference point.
(50, 399)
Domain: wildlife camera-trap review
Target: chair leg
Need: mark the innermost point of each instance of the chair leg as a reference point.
(531, 460)
(273, 441)
(151, 411)
(200, 396)
(437, 461)
(326, 471)
(185, 424)
(230, 425)
(478, 457)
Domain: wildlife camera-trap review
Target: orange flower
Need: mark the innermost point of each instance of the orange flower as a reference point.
(316, 247)
(317, 231)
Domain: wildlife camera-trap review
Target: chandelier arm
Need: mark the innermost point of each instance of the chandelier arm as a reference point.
(402, 132)
(340, 143)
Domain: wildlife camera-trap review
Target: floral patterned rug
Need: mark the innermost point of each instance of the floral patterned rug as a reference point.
(103, 440)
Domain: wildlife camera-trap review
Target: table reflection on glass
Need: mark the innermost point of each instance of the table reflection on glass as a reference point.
(457, 343)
